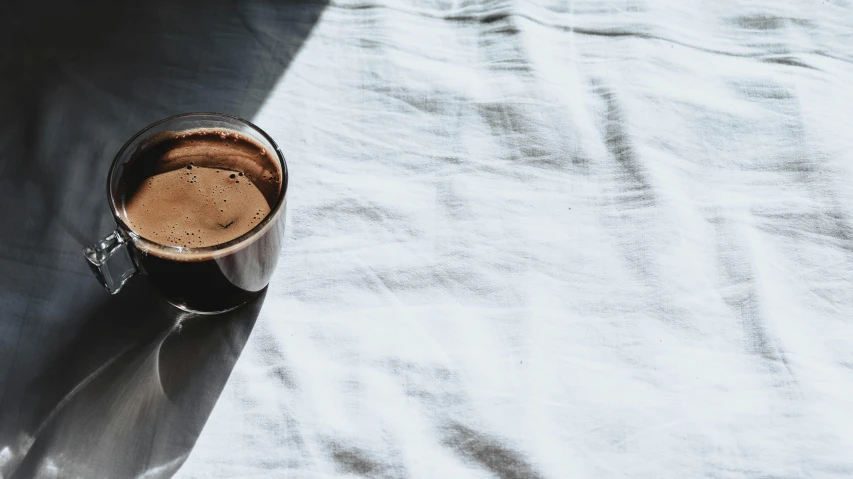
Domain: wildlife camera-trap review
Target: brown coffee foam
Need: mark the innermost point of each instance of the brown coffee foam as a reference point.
(178, 186)
(211, 148)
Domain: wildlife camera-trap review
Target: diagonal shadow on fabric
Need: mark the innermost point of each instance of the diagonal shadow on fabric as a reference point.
(77, 80)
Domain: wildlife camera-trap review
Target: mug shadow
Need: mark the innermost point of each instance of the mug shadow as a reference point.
(131, 393)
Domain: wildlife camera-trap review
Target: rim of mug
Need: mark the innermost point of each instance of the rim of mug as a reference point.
(184, 252)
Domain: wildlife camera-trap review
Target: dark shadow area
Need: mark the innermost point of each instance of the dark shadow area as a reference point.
(123, 401)
(77, 79)
(83, 386)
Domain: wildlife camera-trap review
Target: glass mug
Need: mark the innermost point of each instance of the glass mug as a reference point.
(204, 280)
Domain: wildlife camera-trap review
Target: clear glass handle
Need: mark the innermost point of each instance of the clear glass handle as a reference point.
(111, 261)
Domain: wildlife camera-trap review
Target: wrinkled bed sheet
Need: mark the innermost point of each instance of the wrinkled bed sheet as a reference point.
(525, 240)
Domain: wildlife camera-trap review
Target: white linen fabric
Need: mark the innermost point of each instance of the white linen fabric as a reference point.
(526, 239)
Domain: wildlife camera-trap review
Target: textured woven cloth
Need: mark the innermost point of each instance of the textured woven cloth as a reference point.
(526, 239)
